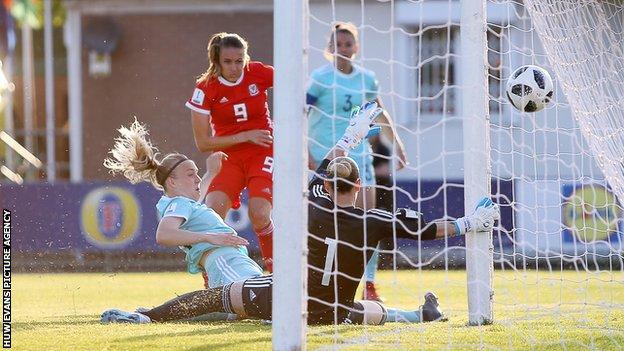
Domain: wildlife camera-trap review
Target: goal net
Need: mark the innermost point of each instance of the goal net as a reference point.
(551, 274)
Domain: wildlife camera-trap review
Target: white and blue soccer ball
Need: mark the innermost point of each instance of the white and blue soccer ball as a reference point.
(529, 88)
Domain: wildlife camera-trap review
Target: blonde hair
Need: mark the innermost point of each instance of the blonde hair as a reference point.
(134, 156)
(215, 44)
(340, 27)
(342, 173)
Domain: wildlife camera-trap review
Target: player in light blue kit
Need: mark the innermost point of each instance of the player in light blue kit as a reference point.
(223, 264)
(210, 244)
(332, 96)
(334, 90)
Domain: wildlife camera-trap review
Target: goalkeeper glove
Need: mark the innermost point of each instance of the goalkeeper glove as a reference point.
(359, 126)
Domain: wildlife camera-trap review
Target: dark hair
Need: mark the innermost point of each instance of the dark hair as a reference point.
(342, 173)
(215, 44)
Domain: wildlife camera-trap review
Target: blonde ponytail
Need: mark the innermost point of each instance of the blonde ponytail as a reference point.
(342, 173)
(134, 156)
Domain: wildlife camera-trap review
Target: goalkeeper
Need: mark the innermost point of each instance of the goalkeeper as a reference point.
(332, 282)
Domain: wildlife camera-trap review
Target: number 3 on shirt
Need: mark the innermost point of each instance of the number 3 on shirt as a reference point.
(240, 111)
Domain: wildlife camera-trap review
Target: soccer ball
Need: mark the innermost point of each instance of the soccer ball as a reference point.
(530, 88)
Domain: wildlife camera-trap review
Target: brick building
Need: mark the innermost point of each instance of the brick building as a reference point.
(160, 52)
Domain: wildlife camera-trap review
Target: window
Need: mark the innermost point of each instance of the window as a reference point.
(436, 77)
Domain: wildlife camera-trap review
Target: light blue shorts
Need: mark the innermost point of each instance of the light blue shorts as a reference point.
(230, 266)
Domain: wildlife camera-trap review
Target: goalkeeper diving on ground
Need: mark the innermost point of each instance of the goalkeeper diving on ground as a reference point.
(339, 245)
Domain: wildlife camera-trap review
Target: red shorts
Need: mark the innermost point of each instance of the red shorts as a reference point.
(250, 168)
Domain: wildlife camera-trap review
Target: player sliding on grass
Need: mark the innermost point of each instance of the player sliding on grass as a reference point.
(333, 280)
(211, 246)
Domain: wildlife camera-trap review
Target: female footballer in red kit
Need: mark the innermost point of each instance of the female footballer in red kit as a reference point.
(230, 113)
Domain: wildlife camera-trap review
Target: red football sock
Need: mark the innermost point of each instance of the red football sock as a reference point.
(205, 276)
(265, 239)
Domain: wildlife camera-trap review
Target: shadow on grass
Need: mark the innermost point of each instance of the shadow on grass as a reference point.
(82, 319)
(218, 328)
(91, 319)
(229, 345)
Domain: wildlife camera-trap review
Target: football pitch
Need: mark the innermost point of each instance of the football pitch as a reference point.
(533, 311)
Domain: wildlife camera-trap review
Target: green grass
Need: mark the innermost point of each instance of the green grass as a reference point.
(533, 311)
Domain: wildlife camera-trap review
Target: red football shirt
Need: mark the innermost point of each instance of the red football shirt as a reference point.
(236, 107)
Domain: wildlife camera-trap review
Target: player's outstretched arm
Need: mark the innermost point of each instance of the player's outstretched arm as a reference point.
(357, 131)
(412, 225)
(390, 132)
(169, 233)
(214, 162)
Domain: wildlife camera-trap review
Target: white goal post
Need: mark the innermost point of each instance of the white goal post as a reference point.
(290, 210)
(290, 64)
(556, 257)
(477, 169)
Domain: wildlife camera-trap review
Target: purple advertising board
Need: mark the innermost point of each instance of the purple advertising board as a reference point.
(118, 216)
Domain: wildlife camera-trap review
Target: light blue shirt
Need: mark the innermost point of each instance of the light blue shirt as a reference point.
(335, 95)
(198, 218)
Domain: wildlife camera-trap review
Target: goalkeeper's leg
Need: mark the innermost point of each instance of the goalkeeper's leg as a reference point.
(428, 312)
(375, 313)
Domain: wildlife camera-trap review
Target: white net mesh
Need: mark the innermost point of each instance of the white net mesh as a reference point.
(558, 278)
(585, 41)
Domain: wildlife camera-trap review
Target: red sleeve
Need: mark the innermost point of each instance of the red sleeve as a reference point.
(199, 101)
(264, 72)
